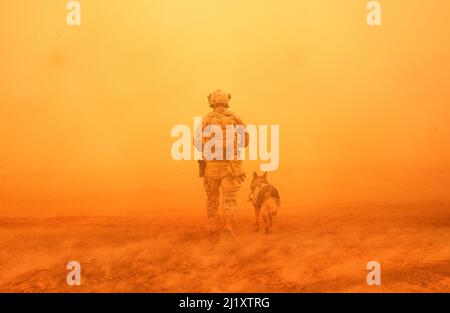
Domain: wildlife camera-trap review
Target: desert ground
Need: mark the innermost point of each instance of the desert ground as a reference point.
(323, 250)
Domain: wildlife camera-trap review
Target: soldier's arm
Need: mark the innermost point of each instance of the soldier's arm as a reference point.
(198, 137)
(240, 122)
(247, 138)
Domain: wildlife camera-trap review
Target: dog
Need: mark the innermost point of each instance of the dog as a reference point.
(266, 200)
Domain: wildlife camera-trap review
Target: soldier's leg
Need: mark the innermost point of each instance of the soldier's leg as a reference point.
(230, 187)
(212, 188)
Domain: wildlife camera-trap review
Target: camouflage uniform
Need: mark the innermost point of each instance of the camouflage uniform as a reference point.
(224, 175)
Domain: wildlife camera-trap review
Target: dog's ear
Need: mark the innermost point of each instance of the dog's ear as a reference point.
(255, 175)
(265, 175)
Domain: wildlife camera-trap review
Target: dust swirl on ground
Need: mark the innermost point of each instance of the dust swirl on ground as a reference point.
(324, 251)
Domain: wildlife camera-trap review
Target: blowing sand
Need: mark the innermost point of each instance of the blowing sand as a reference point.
(321, 251)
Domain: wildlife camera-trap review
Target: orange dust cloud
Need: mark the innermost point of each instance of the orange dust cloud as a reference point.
(86, 112)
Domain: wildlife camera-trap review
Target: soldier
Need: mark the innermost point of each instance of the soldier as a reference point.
(223, 175)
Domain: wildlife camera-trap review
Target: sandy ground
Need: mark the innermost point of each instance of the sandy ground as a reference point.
(321, 251)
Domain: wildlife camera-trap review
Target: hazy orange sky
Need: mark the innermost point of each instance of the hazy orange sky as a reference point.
(86, 112)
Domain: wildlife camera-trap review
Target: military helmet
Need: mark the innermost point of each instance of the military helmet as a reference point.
(219, 97)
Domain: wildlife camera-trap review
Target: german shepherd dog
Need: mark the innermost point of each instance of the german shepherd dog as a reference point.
(266, 200)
